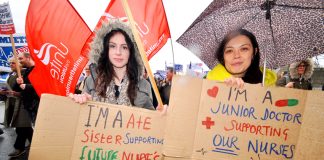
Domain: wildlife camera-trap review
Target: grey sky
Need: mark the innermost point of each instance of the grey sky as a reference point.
(180, 14)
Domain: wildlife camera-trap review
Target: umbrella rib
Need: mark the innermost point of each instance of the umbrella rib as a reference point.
(233, 11)
(273, 39)
(245, 9)
(251, 19)
(298, 7)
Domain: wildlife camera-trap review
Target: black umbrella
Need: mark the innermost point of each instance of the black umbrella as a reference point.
(287, 30)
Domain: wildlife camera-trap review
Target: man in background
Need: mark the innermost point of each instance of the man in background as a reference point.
(166, 88)
(146, 76)
(29, 102)
(11, 99)
(79, 87)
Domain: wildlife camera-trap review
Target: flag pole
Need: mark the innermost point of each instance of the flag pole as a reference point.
(15, 55)
(264, 70)
(141, 50)
(174, 69)
(173, 59)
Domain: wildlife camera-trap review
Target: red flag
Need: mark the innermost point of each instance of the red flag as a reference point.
(55, 34)
(150, 18)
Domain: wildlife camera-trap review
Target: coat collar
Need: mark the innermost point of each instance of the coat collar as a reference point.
(219, 73)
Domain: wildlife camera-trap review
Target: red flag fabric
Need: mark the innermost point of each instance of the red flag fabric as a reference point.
(56, 35)
(6, 22)
(150, 18)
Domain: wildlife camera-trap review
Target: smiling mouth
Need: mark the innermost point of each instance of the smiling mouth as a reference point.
(236, 64)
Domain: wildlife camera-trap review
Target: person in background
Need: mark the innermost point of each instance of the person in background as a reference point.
(145, 76)
(80, 86)
(117, 71)
(166, 88)
(29, 105)
(4, 96)
(239, 60)
(300, 74)
(281, 74)
(13, 99)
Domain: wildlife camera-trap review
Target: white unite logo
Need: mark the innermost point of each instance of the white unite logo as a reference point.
(45, 58)
(142, 30)
(53, 56)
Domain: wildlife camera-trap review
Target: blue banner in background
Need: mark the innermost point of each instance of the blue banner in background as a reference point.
(178, 67)
(5, 53)
(6, 49)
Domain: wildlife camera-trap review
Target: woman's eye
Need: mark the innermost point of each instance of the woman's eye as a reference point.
(245, 49)
(125, 47)
(228, 51)
(111, 46)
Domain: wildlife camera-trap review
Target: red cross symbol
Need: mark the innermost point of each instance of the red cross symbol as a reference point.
(208, 122)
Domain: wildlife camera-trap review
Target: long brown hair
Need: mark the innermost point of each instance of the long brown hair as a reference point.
(106, 71)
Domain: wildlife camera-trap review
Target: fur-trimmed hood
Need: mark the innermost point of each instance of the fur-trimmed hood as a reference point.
(308, 71)
(96, 46)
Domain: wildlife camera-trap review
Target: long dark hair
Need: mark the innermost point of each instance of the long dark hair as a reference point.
(106, 71)
(253, 74)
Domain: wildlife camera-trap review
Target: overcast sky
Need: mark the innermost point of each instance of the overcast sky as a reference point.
(180, 14)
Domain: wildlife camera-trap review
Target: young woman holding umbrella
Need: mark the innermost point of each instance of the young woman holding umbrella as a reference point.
(116, 77)
(239, 60)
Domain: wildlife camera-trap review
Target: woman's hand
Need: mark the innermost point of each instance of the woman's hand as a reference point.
(234, 82)
(3, 92)
(20, 80)
(163, 109)
(290, 85)
(13, 93)
(80, 98)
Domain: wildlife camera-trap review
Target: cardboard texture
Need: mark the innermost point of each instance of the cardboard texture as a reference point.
(253, 123)
(311, 137)
(66, 130)
(206, 120)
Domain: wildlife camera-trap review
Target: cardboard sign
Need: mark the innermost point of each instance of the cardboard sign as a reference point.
(6, 22)
(206, 120)
(67, 130)
(210, 121)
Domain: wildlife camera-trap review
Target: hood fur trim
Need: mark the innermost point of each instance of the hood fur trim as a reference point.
(96, 46)
(308, 71)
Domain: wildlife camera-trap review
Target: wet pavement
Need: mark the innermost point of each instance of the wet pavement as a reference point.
(7, 139)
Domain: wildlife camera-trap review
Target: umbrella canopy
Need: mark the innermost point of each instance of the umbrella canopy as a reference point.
(286, 30)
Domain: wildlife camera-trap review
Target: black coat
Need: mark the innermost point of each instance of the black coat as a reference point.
(29, 97)
(165, 93)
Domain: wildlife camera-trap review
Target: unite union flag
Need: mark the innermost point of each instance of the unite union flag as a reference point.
(150, 19)
(55, 34)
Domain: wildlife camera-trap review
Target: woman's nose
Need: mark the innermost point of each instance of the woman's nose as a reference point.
(118, 50)
(237, 53)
